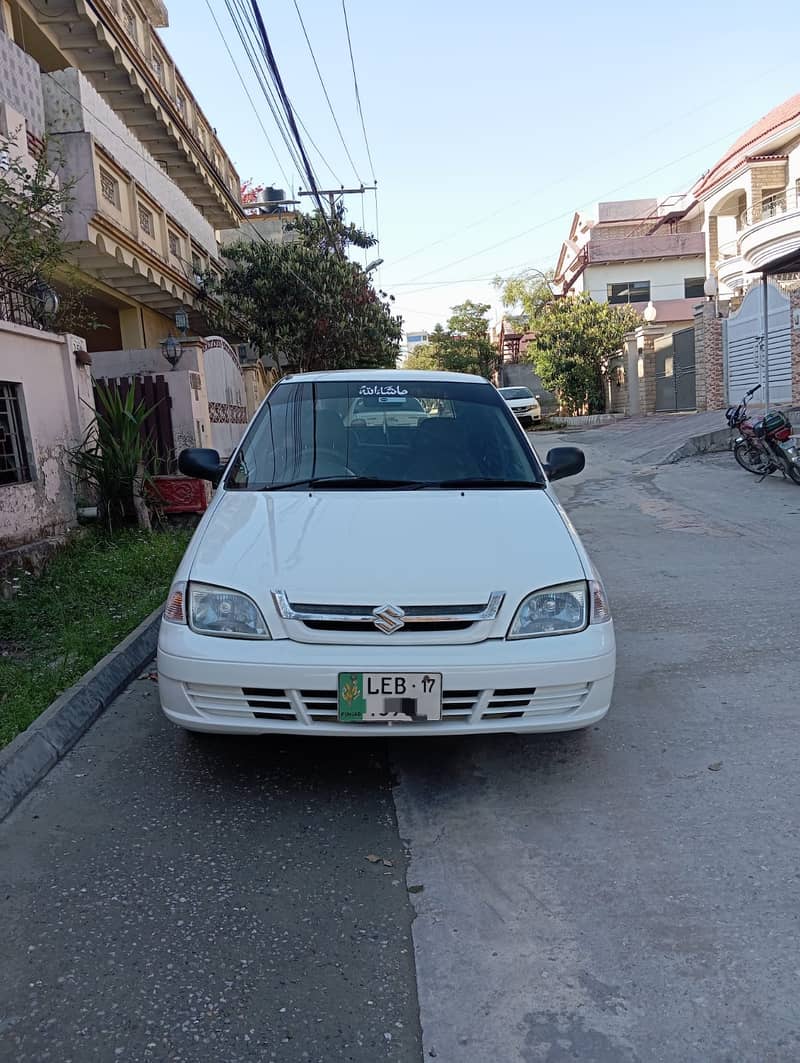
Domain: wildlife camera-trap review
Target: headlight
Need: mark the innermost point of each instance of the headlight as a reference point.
(217, 611)
(553, 611)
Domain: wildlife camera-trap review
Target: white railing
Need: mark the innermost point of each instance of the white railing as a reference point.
(783, 202)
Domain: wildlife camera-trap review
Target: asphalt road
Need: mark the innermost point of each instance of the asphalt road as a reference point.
(626, 894)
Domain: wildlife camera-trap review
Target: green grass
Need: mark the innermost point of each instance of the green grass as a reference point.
(90, 596)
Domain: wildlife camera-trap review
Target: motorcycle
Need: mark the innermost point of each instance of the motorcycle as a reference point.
(764, 446)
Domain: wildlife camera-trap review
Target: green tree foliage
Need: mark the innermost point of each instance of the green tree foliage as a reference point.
(306, 304)
(33, 249)
(422, 357)
(462, 347)
(527, 294)
(575, 338)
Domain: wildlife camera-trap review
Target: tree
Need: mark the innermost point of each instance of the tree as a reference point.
(529, 295)
(463, 347)
(422, 357)
(33, 250)
(304, 303)
(574, 339)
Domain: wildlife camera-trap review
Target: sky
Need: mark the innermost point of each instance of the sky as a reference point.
(490, 124)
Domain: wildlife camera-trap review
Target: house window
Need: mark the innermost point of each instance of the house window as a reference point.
(693, 287)
(146, 221)
(197, 265)
(109, 187)
(129, 22)
(628, 292)
(14, 462)
(180, 100)
(157, 64)
(174, 244)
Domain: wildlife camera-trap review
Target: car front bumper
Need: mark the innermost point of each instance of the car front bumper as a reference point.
(286, 687)
(528, 413)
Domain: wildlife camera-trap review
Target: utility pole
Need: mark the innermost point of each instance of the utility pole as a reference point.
(335, 195)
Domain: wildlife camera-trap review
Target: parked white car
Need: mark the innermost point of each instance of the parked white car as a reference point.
(524, 404)
(420, 581)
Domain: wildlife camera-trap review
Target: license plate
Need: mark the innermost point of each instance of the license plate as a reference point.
(389, 697)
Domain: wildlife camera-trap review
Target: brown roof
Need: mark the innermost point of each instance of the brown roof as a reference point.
(780, 117)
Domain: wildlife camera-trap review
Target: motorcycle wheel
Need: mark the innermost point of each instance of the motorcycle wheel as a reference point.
(794, 472)
(753, 459)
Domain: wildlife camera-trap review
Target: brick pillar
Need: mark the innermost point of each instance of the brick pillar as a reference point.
(794, 310)
(709, 376)
(645, 342)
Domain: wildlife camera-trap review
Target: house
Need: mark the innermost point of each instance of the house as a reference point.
(649, 254)
(152, 186)
(638, 251)
(750, 203)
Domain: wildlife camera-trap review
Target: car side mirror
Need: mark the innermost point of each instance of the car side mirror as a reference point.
(564, 461)
(202, 463)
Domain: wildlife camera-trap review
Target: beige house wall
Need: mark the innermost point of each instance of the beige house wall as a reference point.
(57, 408)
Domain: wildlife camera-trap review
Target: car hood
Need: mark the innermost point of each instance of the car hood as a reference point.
(405, 547)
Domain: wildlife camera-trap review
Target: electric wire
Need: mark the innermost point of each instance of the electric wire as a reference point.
(325, 91)
(358, 94)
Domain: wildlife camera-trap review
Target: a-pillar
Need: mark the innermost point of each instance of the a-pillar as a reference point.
(646, 365)
(794, 309)
(709, 371)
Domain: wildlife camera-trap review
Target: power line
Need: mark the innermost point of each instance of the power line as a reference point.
(247, 91)
(358, 94)
(245, 27)
(569, 213)
(287, 106)
(238, 17)
(325, 91)
(551, 184)
(313, 144)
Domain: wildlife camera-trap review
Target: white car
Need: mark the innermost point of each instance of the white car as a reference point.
(524, 404)
(424, 581)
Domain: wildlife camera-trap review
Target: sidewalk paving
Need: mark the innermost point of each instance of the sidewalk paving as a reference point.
(664, 438)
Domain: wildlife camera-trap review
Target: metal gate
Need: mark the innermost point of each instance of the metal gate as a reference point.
(743, 346)
(227, 404)
(157, 427)
(675, 372)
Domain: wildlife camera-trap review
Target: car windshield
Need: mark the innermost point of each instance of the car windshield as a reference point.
(516, 393)
(367, 435)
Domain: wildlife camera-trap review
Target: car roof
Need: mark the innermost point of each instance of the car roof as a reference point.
(386, 375)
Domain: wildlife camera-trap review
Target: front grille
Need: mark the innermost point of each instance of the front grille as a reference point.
(387, 619)
(308, 707)
(361, 625)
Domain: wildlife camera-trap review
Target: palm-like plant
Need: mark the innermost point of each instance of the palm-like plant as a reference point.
(115, 456)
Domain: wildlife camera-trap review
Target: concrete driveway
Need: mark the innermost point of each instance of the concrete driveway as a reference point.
(626, 894)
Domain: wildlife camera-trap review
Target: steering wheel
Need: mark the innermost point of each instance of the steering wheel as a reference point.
(336, 458)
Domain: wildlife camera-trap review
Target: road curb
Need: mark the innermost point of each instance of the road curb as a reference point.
(26, 760)
(719, 440)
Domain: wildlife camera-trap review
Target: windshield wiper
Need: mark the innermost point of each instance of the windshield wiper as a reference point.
(354, 482)
(487, 481)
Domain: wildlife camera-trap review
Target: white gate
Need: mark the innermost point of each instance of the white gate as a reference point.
(227, 403)
(743, 340)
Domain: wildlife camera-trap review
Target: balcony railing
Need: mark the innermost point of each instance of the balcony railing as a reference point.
(22, 307)
(773, 206)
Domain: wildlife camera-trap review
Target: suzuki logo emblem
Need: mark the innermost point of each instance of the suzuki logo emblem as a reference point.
(388, 619)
